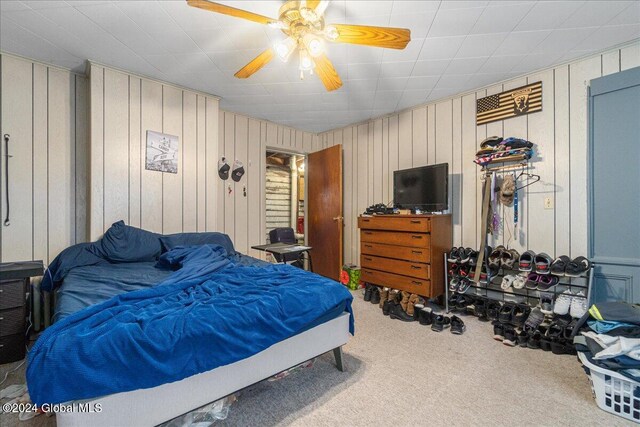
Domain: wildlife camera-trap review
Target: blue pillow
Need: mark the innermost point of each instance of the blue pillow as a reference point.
(192, 239)
(123, 243)
(74, 256)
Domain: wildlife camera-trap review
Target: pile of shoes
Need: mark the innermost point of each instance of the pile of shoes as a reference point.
(461, 263)
(395, 304)
(496, 147)
(438, 322)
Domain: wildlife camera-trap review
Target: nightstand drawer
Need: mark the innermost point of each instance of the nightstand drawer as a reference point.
(12, 348)
(12, 321)
(12, 294)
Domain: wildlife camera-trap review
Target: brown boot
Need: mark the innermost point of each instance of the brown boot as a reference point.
(405, 300)
(413, 300)
(384, 294)
(393, 293)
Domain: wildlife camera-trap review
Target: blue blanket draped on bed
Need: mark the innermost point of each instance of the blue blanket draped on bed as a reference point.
(209, 313)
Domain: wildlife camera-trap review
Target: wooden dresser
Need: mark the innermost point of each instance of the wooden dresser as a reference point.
(405, 252)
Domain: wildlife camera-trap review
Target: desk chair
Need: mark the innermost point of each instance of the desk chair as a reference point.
(286, 235)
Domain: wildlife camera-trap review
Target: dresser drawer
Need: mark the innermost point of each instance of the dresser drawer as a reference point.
(12, 348)
(12, 294)
(396, 281)
(395, 223)
(405, 268)
(397, 252)
(12, 321)
(416, 240)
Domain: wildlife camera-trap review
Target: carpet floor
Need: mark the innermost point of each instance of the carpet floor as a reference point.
(403, 374)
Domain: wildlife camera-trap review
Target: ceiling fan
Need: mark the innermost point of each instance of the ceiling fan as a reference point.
(303, 22)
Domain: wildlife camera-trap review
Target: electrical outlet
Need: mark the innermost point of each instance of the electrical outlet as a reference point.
(548, 203)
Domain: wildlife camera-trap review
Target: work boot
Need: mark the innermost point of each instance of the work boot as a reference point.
(397, 312)
(367, 292)
(417, 308)
(404, 302)
(426, 316)
(386, 307)
(393, 295)
(375, 295)
(413, 299)
(384, 294)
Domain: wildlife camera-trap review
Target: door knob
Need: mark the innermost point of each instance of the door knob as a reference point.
(338, 218)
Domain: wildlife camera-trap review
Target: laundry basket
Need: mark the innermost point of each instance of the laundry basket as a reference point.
(613, 392)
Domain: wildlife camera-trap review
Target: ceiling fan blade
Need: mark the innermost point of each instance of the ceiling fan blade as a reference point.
(231, 11)
(257, 63)
(392, 38)
(327, 73)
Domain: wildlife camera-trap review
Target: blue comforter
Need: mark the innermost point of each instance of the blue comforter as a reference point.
(210, 312)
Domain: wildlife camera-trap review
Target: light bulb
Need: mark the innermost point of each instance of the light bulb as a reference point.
(331, 32)
(277, 24)
(285, 48)
(305, 63)
(315, 47)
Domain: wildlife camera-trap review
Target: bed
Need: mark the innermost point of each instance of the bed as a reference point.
(149, 327)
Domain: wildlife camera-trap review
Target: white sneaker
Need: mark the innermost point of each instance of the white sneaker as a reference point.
(563, 302)
(578, 305)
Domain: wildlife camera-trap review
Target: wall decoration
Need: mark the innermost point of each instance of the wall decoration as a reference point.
(162, 152)
(512, 103)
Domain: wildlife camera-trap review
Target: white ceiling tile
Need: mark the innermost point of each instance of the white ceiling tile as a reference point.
(409, 53)
(363, 71)
(430, 67)
(456, 46)
(418, 23)
(561, 41)
(396, 69)
(412, 7)
(441, 47)
(480, 45)
(595, 13)
(501, 18)
(520, 42)
(465, 65)
(454, 22)
(546, 15)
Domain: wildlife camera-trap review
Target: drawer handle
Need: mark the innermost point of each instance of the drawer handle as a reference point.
(416, 221)
(368, 232)
(368, 246)
(417, 252)
(366, 220)
(367, 259)
(415, 236)
(415, 267)
(415, 282)
(368, 272)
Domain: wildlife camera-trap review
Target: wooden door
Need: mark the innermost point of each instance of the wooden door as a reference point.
(614, 178)
(324, 180)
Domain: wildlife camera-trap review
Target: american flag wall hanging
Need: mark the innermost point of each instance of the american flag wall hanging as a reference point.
(515, 102)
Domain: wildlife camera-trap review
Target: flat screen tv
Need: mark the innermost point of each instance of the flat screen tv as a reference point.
(425, 188)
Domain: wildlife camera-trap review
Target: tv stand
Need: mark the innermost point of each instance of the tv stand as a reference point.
(405, 251)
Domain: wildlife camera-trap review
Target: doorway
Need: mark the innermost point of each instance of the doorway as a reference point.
(285, 193)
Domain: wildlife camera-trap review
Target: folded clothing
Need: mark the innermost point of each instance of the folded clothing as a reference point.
(615, 346)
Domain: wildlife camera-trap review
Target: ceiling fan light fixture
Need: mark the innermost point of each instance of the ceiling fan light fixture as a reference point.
(331, 32)
(313, 44)
(309, 14)
(306, 63)
(285, 48)
(278, 25)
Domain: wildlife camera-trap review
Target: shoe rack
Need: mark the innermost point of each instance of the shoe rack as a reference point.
(493, 291)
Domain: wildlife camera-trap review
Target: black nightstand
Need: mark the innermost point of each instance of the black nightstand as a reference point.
(15, 279)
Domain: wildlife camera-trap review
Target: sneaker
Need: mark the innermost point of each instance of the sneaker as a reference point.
(505, 313)
(457, 326)
(563, 302)
(473, 258)
(465, 255)
(425, 316)
(510, 337)
(543, 263)
(453, 255)
(493, 310)
(440, 322)
(464, 302)
(520, 314)
(498, 332)
(546, 282)
(519, 281)
(375, 295)
(532, 281)
(453, 284)
(578, 305)
(367, 292)
(546, 303)
(523, 338)
(534, 320)
(534, 340)
(463, 285)
(526, 261)
(453, 301)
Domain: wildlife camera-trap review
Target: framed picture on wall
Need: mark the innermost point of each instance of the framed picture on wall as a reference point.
(162, 152)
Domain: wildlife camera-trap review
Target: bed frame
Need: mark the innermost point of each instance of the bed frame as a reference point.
(153, 406)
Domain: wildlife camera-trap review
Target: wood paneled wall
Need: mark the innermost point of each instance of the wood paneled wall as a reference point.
(44, 110)
(247, 139)
(123, 108)
(445, 131)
